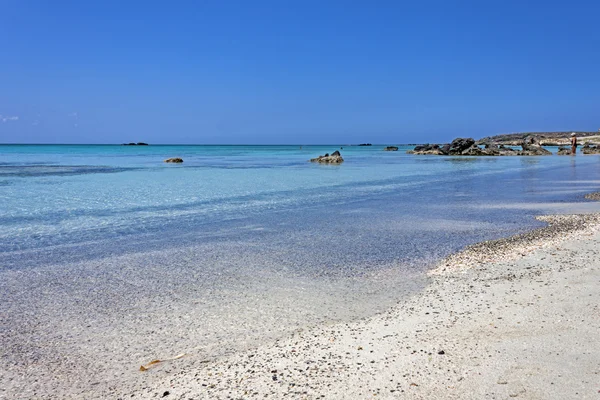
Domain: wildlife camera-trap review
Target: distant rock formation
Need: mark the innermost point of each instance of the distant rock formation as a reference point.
(427, 149)
(589, 148)
(564, 151)
(135, 144)
(391, 148)
(531, 147)
(468, 147)
(175, 160)
(334, 158)
(544, 138)
(459, 145)
(365, 144)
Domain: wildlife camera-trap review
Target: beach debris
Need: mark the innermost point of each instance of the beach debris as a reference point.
(155, 362)
(175, 160)
(166, 393)
(441, 352)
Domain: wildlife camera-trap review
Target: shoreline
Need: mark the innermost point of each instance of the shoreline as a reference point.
(519, 320)
(427, 337)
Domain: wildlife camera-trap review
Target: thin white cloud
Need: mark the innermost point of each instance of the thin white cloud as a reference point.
(74, 114)
(6, 118)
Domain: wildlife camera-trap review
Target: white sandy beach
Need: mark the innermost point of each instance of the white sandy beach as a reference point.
(512, 318)
(526, 327)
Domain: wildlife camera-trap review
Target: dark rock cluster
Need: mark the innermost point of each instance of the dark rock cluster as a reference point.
(468, 147)
(333, 158)
(391, 148)
(589, 148)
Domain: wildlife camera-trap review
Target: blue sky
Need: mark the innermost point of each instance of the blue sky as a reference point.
(295, 71)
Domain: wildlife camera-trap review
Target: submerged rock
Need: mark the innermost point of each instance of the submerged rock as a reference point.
(175, 160)
(334, 158)
(391, 148)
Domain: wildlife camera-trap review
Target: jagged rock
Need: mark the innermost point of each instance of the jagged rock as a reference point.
(459, 145)
(507, 151)
(334, 158)
(391, 148)
(175, 160)
(589, 148)
(427, 149)
(564, 151)
(478, 151)
(365, 144)
(531, 147)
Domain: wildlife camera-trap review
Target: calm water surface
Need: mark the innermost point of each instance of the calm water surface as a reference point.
(243, 242)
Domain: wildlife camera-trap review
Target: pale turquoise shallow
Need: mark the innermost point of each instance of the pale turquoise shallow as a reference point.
(239, 243)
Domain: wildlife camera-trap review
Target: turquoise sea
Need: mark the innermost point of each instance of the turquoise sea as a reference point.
(105, 244)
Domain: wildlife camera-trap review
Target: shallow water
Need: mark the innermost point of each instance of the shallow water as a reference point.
(240, 243)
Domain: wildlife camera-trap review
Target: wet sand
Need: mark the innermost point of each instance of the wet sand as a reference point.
(522, 321)
(510, 318)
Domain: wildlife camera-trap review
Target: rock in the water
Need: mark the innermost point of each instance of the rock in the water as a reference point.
(391, 148)
(427, 149)
(564, 151)
(459, 145)
(589, 148)
(175, 160)
(334, 158)
(478, 151)
(531, 147)
(365, 144)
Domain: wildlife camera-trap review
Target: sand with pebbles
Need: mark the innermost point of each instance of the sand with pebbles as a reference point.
(514, 318)
(510, 318)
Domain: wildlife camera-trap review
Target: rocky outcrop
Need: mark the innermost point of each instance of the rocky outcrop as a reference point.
(391, 148)
(478, 151)
(365, 144)
(468, 147)
(334, 158)
(135, 144)
(459, 145)
(531, 147)
(564, 151)
(427, 149)
(589, 148)
(175, 160)
(507, 151)
(545, 138)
